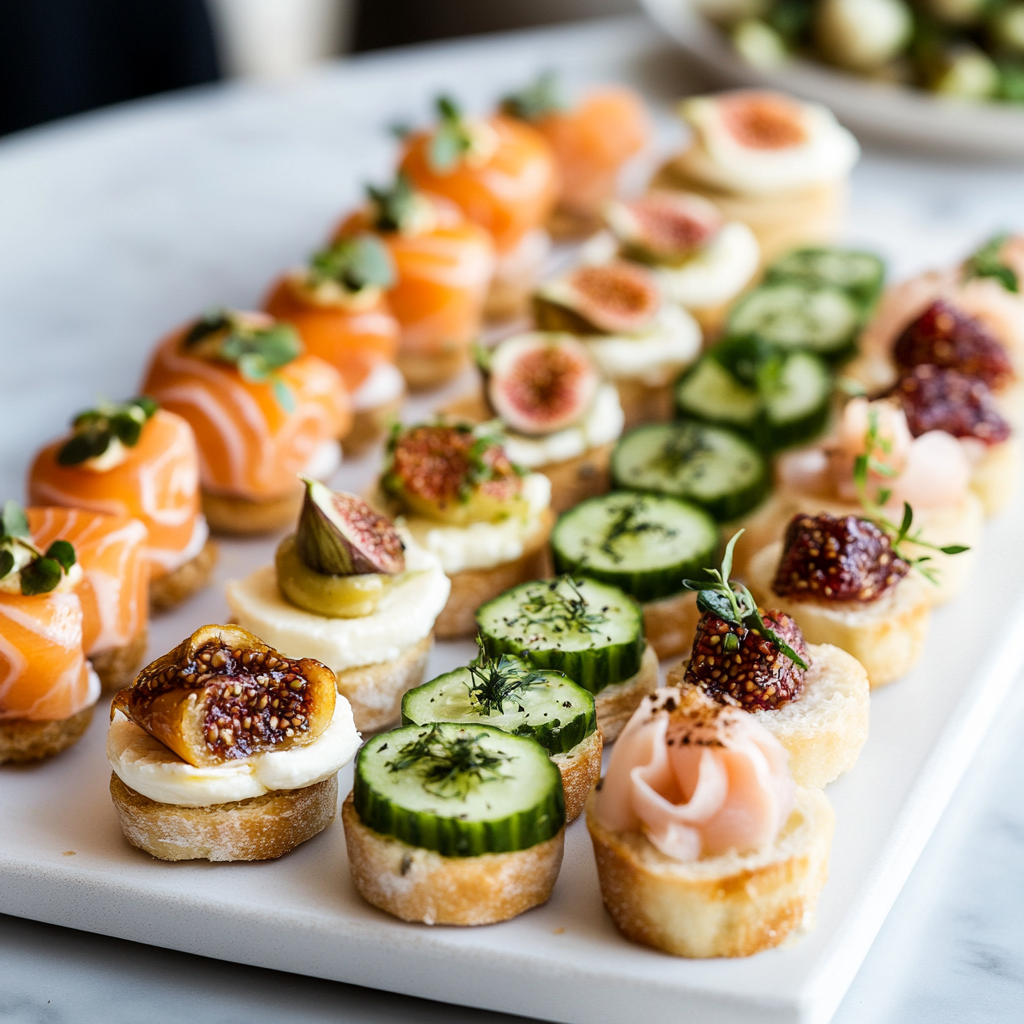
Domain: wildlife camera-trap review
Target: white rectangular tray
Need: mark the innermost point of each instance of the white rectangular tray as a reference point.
(63, 859)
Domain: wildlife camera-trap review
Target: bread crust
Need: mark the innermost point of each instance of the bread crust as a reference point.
(242, 517)
(996, 476)
(886, 636)
(260, 828)
(616, 703)
(369, 426)
(22, 739)
(423, 886)
(671, 624)
(728, 906)
(116, 666)
(826, 727)
(375, 691)
(175, 586)
(424, 371)
(472, 587)
(580, 769)
(645, 403)
(567, 224)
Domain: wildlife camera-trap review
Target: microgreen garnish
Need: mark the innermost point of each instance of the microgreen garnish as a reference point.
(542, 96)
(258, 351)
(450, 766)
(496, 680)
(627, 523)
(452, 138)
(735, 604)
(355, 263)
(557, 611)
(39, 572)
(487, 436)
(681, 447)
(394, 206)
(987, 263)
(899, 535)
(95, 429)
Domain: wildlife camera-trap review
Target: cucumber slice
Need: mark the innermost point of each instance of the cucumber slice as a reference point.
(710, 392)
(713, 467)
(590, 631)
(462, 790)
(792, 315)
(797, 407)
(548, 706)
(859, 274)
(645, 544)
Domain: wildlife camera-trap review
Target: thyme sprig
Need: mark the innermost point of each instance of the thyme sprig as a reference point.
(542, 96)
(452, 138)
(899, 535)
(731, 601)
(393, 207)
(627, 523)
(355, 263)
(96, 429)
(986, 262)
(39, 572)
(450, 766)
(493, 681)
(557, 611)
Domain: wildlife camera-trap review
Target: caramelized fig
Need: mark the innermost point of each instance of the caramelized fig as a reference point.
(340, 535)
(663, 228)
(540, 383)
(612, 298)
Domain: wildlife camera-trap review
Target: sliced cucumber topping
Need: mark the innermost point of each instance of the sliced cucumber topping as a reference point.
(590, 631)
(462, 790)
(509, 694)
(797, 406)
(859, 274)
(713, 467)
(790, 315)
(645, 544)
(710, 392)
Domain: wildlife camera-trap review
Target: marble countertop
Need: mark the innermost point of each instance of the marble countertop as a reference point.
(118, 225)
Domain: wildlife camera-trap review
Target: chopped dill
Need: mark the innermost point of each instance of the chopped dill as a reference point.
(450, 766)
(493, 681)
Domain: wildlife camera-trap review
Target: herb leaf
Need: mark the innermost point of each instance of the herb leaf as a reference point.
(451, 139)
(542, 96)
(40, 576)
(62, 552)
(986, 263)
(392, 207)
(496, 680)
(6, 562)
(355, 263)
(15, 522)
(95, 429)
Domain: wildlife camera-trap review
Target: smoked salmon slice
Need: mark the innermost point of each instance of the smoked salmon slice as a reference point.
(115, 574)
(155, 481)
(253, 435)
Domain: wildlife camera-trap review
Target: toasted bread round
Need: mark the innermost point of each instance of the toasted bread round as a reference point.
(261, 828)
(671, 624)
(375, 691)
(886, 636)
(567, 224)
(826, 727)
(116, 666)
(616, 703)
(242, 517)
(731, 905)
(422, 885)
(997, 475)
(472, 587)
(175, 586)
(425, 371)
(24, 740)
(645, 403)
(580, 768)
(369, 426)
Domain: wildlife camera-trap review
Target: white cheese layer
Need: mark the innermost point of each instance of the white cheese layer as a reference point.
(142, 762)
(384, 384)
(485, 545)
(717, 273)
(601, 425)
(656, 354)
(324, 461)
(405, 615)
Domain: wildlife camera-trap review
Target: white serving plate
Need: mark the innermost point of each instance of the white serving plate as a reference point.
(905, 116)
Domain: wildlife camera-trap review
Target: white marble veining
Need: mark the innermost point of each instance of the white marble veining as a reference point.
(114, 228)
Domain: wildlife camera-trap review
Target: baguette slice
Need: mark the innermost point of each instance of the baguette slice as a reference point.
(243, 517)
(886, 636)
(580, 769)
(997, 475)
(731, 905)
(826, 727)
(671, 624)
(646, 403)
(616, 703)
(175, 586)
(116, 666)
(422, 885)
(22, 739)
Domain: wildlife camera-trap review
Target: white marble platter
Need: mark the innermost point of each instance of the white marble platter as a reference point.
(115, 228)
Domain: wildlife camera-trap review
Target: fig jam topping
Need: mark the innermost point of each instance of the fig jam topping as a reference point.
(738, 665)
(950, 339)
(837, 559)
(763, 120)
(945, 399)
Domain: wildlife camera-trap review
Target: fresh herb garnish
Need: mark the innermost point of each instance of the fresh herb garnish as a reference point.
(986, 262)
(95, 429)
(452, 138)
(496, 680)
(355, 263)
(681, 447)
(392, 207)
(450, 766)
(868, 462)
(40, 572)
(735, 604)
(258, 351)
(557, 611)
(542, 96)
(627, 523)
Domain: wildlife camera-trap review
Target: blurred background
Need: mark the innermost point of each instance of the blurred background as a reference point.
(61, 57)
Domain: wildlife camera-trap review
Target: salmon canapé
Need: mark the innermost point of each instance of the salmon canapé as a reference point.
(115, 574)
(499, 171)
(338, 306)
(261, 410)
(443, 266)
(154, 480)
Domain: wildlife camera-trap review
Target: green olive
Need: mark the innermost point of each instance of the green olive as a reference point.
(334, 597)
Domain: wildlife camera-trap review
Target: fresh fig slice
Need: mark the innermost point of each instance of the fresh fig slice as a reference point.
(610, 298)
(541, 383)
(340, 535)
(664, 227)
(762, 120)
